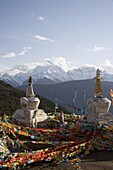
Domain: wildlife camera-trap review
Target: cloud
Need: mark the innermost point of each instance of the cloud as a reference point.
(25, 49)
(13, 54)
(61, 62)
(8, 55)
(44, 21)
(41, 18)
(38, 17)
(44, 38)
(97, 48)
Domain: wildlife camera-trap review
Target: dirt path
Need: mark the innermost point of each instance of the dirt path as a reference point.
(98, 160)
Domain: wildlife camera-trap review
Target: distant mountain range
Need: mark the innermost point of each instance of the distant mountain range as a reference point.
(51, 73)
(65, 92)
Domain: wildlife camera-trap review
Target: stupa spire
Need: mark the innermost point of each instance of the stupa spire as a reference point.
(29, 90)
(98, 86)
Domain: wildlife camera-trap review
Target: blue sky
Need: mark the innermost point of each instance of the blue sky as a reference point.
(81, 31)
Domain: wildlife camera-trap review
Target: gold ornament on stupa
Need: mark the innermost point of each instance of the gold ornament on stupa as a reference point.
(98, 86)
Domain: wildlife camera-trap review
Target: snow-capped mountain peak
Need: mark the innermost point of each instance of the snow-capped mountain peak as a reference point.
(55, 71)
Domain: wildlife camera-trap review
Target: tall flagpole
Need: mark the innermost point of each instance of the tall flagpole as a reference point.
(56, 100)
(84, 106)
(74, 101)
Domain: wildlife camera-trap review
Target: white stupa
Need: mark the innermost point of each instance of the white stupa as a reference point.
(98, 106)
(29, 114)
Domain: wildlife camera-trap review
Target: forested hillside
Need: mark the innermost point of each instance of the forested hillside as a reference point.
(10, 100)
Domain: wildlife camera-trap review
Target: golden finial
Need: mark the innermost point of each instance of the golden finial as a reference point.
(98, 86)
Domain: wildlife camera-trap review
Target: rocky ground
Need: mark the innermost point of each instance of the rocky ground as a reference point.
(98, 160)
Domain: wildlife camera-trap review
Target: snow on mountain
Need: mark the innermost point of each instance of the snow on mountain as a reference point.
(54, 72)
(50, 71)
(9, 79)
(107, 66)
(83, 72)
(24, 68)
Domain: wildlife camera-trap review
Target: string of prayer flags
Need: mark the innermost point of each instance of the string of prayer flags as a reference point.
(22, 146)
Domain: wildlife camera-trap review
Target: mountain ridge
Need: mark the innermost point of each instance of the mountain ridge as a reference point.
(65, 91)
(51, 73)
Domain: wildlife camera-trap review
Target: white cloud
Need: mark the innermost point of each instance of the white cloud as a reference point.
(97, 48)
(8, 55)
(13, 54)
(44, 38)
(107, 66)
(25, 49)
(41, 18)
(106, 63)
(61, 62)
(38, 17)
